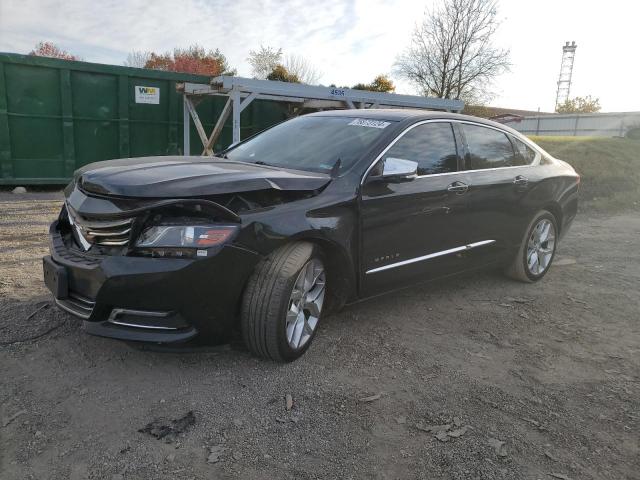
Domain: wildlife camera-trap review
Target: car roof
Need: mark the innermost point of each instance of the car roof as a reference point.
(383, 113)
(409, 115)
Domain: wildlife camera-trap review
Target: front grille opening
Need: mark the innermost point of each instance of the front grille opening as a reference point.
(112, 233)
(106, 233)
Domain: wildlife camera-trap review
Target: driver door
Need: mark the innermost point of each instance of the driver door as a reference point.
(414, 227)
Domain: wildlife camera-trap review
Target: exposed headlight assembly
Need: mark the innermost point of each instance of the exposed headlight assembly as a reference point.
(184, 240)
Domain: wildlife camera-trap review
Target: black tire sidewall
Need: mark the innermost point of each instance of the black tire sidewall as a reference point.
(523, 258)
(287, 353)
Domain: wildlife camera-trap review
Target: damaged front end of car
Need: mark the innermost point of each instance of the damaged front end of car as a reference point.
(155, 269)
(147, 272)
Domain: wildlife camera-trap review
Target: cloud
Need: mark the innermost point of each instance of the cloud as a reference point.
(350, 41)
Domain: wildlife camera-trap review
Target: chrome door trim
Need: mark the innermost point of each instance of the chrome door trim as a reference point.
(430, 256)
(535, 163)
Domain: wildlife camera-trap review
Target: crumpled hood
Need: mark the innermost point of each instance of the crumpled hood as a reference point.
(184, 177)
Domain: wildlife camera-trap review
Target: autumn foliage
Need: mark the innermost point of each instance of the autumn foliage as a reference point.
(580, 105)
(50, 49)
(281, 74)
(194, 59)
(381, 83)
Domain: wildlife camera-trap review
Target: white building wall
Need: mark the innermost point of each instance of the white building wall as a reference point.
(589, 124)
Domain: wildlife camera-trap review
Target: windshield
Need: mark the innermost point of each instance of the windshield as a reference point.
(319, 144)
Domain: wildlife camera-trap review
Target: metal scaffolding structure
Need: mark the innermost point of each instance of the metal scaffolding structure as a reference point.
(566, 70)
(242, 91)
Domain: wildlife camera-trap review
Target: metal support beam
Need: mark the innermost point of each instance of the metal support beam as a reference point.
(198, 124)
(245, 103)
(198, 89)
(235, 97)
(186, 128)
(217, 129)
(224, 84)
(242, 91)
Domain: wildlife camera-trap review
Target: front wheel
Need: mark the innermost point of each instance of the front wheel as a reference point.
(537, 249)
(282, 303)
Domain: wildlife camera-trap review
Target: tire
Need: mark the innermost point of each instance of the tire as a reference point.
(521, 268)
(278, 318)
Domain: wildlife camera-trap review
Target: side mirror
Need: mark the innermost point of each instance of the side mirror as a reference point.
(397, 170)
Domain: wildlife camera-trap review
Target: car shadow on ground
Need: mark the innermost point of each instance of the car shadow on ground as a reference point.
(31, 319)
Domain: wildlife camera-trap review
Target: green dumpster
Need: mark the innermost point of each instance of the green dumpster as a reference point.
(57, 115)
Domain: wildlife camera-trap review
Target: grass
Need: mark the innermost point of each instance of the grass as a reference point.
(609, 169)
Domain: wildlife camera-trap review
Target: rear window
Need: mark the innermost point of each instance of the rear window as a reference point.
(488, 148)
(525, 155)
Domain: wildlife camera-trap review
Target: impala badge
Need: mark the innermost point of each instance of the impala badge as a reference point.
(384, 258)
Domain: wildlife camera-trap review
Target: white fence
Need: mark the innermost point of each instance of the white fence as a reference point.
(588, 124)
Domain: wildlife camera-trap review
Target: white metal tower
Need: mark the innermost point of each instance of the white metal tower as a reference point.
(566, 69)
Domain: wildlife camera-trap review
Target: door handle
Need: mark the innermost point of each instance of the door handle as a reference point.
(520, 180)
(458, 187)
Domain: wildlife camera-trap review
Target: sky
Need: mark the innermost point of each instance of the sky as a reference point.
(349, 41)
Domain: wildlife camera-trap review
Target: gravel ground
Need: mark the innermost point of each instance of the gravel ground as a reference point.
(473, 378)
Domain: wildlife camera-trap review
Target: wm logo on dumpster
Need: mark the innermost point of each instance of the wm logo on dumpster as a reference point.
(147, 95)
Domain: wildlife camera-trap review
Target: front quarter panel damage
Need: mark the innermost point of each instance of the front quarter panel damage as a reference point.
(328, 221)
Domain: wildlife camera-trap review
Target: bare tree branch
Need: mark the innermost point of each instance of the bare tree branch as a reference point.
(451, 54)
(263, 61)
(137, 59)
(302, 68)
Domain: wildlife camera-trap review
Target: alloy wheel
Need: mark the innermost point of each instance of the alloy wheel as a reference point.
(305, 304)
(541, 246)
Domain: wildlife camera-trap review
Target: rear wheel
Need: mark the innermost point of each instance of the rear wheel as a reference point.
(282, 304)
(537, 249)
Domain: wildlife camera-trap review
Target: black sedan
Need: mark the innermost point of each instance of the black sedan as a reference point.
(281, 229)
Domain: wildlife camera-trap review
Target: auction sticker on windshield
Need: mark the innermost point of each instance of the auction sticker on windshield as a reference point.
(362, 122)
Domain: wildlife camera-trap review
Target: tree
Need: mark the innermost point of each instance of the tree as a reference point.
(381, 83)
(50, 49)
(281, 74)
(137, 59)
(451, 54)
(301, 68)
(264, 61)
(478, 110)
(194, 59)
(580, 105)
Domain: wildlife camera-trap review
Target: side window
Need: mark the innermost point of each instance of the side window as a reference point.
(432, 145)
(488, 148)
(525, 155)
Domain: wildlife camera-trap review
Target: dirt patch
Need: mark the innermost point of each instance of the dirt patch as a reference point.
(473, 378)
(169, 430)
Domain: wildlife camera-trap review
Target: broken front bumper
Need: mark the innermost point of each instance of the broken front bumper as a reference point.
(149, 299)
